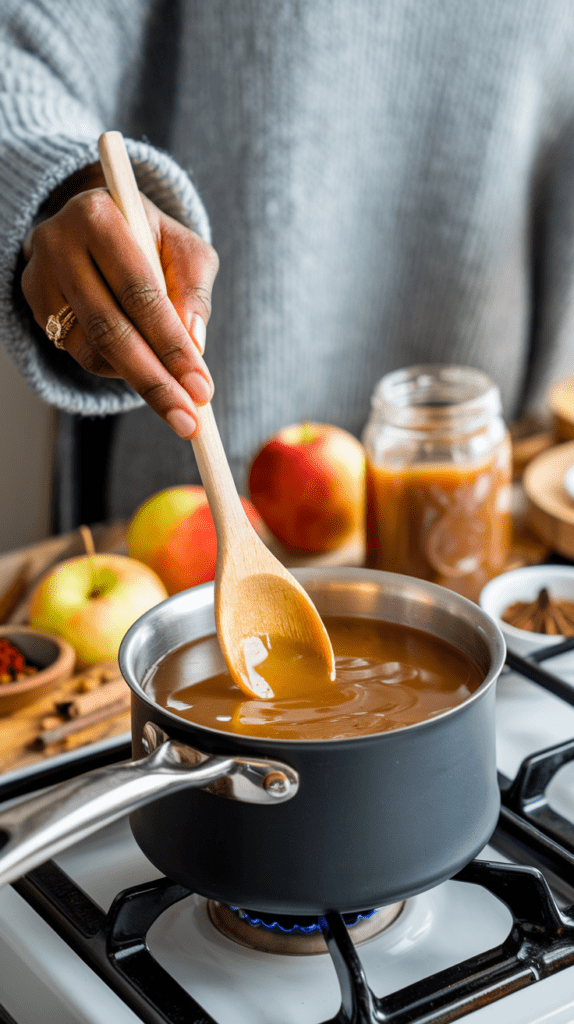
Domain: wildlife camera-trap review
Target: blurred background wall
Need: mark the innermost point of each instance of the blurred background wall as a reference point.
(27, 432)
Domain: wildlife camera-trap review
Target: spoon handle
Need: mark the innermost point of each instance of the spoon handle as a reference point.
(226, 508)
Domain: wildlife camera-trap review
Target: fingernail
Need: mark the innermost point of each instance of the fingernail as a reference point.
(198, 386)
(197, 331)
(182, 422)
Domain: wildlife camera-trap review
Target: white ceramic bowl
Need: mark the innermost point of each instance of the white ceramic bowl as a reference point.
(524, 585)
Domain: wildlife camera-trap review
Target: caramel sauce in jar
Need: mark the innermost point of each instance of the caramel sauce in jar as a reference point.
(438, 478)
(447, 524)
(387, 676)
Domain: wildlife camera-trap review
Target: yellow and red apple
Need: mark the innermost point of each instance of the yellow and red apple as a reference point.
(92, 601)
(308, 485)
(173, 533)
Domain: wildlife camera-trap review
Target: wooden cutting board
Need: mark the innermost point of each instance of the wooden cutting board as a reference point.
(19, 746)
(28, 736)
(550, 509)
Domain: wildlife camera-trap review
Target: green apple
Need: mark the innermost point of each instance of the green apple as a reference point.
(92, 600)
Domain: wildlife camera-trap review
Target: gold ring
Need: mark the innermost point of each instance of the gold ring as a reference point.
(59, 325)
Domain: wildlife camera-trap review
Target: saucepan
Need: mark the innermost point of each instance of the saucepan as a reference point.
(291, 826)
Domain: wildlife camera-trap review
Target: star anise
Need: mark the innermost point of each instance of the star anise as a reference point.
(553, 616)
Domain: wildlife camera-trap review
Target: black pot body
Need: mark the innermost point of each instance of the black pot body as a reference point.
(376, 819)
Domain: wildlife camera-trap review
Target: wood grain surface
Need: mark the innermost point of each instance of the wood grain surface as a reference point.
(550, 508)
(19, 733)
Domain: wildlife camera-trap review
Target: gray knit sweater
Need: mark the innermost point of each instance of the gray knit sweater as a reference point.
(387, 182)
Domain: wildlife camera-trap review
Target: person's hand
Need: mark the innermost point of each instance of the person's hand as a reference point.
(85, 256)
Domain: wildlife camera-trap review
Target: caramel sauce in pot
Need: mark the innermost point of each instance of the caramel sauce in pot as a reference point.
(387, 676)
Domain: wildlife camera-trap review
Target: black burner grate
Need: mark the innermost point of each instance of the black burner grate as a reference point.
(540, 942)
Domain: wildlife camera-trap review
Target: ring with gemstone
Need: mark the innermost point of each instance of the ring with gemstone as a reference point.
(58, 326)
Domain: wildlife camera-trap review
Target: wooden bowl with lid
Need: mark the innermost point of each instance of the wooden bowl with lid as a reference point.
(53, 656)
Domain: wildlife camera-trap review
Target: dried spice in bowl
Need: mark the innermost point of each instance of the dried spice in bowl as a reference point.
(13, 664)
(553, 616)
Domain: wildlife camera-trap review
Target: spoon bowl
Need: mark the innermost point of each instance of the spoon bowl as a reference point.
(270, 631)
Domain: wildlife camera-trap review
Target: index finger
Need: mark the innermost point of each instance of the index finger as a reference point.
(104, 273)
(107, 333)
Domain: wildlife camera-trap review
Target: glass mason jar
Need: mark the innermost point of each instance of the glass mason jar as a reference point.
(438, 477)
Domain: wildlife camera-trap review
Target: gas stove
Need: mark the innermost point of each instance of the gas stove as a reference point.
(99, 936)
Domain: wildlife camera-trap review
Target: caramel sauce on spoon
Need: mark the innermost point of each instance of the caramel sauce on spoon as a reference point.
(279, 668)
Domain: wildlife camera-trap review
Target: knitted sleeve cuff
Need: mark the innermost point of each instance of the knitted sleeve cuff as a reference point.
(32, 164)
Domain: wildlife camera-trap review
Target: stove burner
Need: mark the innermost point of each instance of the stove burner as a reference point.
(289, 925)
(539, 945)
(290, 936)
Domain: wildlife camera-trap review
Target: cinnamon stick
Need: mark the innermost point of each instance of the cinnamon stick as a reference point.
(56, 735)
(95, 733)
(77, 705)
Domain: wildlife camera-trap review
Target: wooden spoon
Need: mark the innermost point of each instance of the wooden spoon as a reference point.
(269, 631)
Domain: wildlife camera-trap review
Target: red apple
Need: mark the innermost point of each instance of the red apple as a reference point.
(308, 485)
(173, 533)
(93, 600)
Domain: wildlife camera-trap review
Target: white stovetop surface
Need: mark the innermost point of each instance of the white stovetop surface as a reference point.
(42, 980)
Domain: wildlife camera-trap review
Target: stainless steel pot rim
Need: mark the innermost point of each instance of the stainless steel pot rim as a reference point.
(203, 596)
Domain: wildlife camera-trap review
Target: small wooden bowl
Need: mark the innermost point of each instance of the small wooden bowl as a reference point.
(55, 656)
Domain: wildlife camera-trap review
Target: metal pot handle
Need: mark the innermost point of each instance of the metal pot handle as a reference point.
(40, 827)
